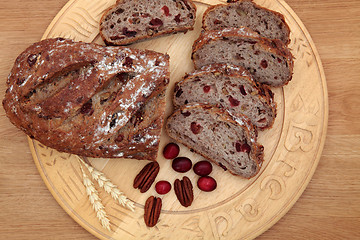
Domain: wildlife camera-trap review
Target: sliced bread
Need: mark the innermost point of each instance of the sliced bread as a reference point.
(230, 87)
(267, 23)
(213, 133)
(270, 62)
(129, 21)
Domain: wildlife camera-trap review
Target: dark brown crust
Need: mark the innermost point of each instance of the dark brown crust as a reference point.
(272, 46)
(141, 38)
(264, 91)
(211, 8)
(257, 153)
(64, 129)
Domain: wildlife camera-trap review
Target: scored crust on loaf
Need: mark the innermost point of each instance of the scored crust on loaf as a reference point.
(246, 13)
(229, 142)
(270, 62)
(129, 21)
(231, 87)
(89, 99)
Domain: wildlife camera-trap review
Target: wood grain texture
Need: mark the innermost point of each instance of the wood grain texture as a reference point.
(331, 199)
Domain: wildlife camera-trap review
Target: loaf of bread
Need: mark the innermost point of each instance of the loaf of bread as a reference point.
(230, 87)
(270, 62)
(129, 21)
(229, 142)
(89, 100)
(245, 13)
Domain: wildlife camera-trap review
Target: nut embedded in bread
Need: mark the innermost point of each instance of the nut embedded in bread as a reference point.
(130, 21)
(246, 13)
(89, 100)
(229, 142)
(270, 62)
(230, 87)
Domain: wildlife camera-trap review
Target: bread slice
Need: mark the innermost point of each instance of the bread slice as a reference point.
(270, 62)
(230, 87)
(129, 21)
(214, 134)
(246, 13)
(88, 99)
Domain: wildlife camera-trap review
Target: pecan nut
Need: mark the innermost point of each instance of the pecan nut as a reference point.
(184, 191)
(146, 176)
(152, 211)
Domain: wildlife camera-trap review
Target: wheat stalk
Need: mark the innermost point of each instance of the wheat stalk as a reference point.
(95, 201)
(108, 186)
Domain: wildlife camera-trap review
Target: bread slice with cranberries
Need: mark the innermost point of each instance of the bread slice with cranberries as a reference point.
(270, 62)
(229, 142)
(230, 87)
(129, 21)
(246, 13)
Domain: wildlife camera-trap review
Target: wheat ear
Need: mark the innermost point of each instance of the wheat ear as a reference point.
(108, 186)
(95, 201)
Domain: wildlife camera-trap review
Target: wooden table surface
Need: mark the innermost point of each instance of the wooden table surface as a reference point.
(328, 209)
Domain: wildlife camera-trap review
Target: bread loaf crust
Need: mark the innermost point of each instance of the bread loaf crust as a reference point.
(153, 29)
(78, 97)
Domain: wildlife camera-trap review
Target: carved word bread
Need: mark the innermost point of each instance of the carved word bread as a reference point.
(213, 133)
(230, 87)
(267, 23)
(270, 62)
(129, 21)
(88, 99)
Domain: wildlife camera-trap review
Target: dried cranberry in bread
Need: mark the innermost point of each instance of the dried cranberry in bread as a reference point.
(212, 132)
(129, 21)
(88, 99)
(230, 87)
(270, 62)
(246, 13)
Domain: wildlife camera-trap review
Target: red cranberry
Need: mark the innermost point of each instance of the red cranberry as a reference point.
(242, 90)
(195, 128)
(171, 151)
(87, 108)
(216, 22)
(202, 168)
(156, 22)
(264, 63)
(279, 60)
(128, 32)
(181, 164)
(166, 10)
(162, 187)
(206, 184)
(206, 89)
(234, 102)
(177, 18)
(244, 148)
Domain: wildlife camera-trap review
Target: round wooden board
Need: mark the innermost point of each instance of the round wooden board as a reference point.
(238, 208)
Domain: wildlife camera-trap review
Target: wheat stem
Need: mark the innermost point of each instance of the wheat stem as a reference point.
(108, 186)
(95, 201)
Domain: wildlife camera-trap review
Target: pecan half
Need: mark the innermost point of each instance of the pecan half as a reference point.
(184, 191)
(146, 176)
(152, 211)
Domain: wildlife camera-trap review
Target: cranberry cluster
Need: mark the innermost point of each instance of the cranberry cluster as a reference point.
(184, 164)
